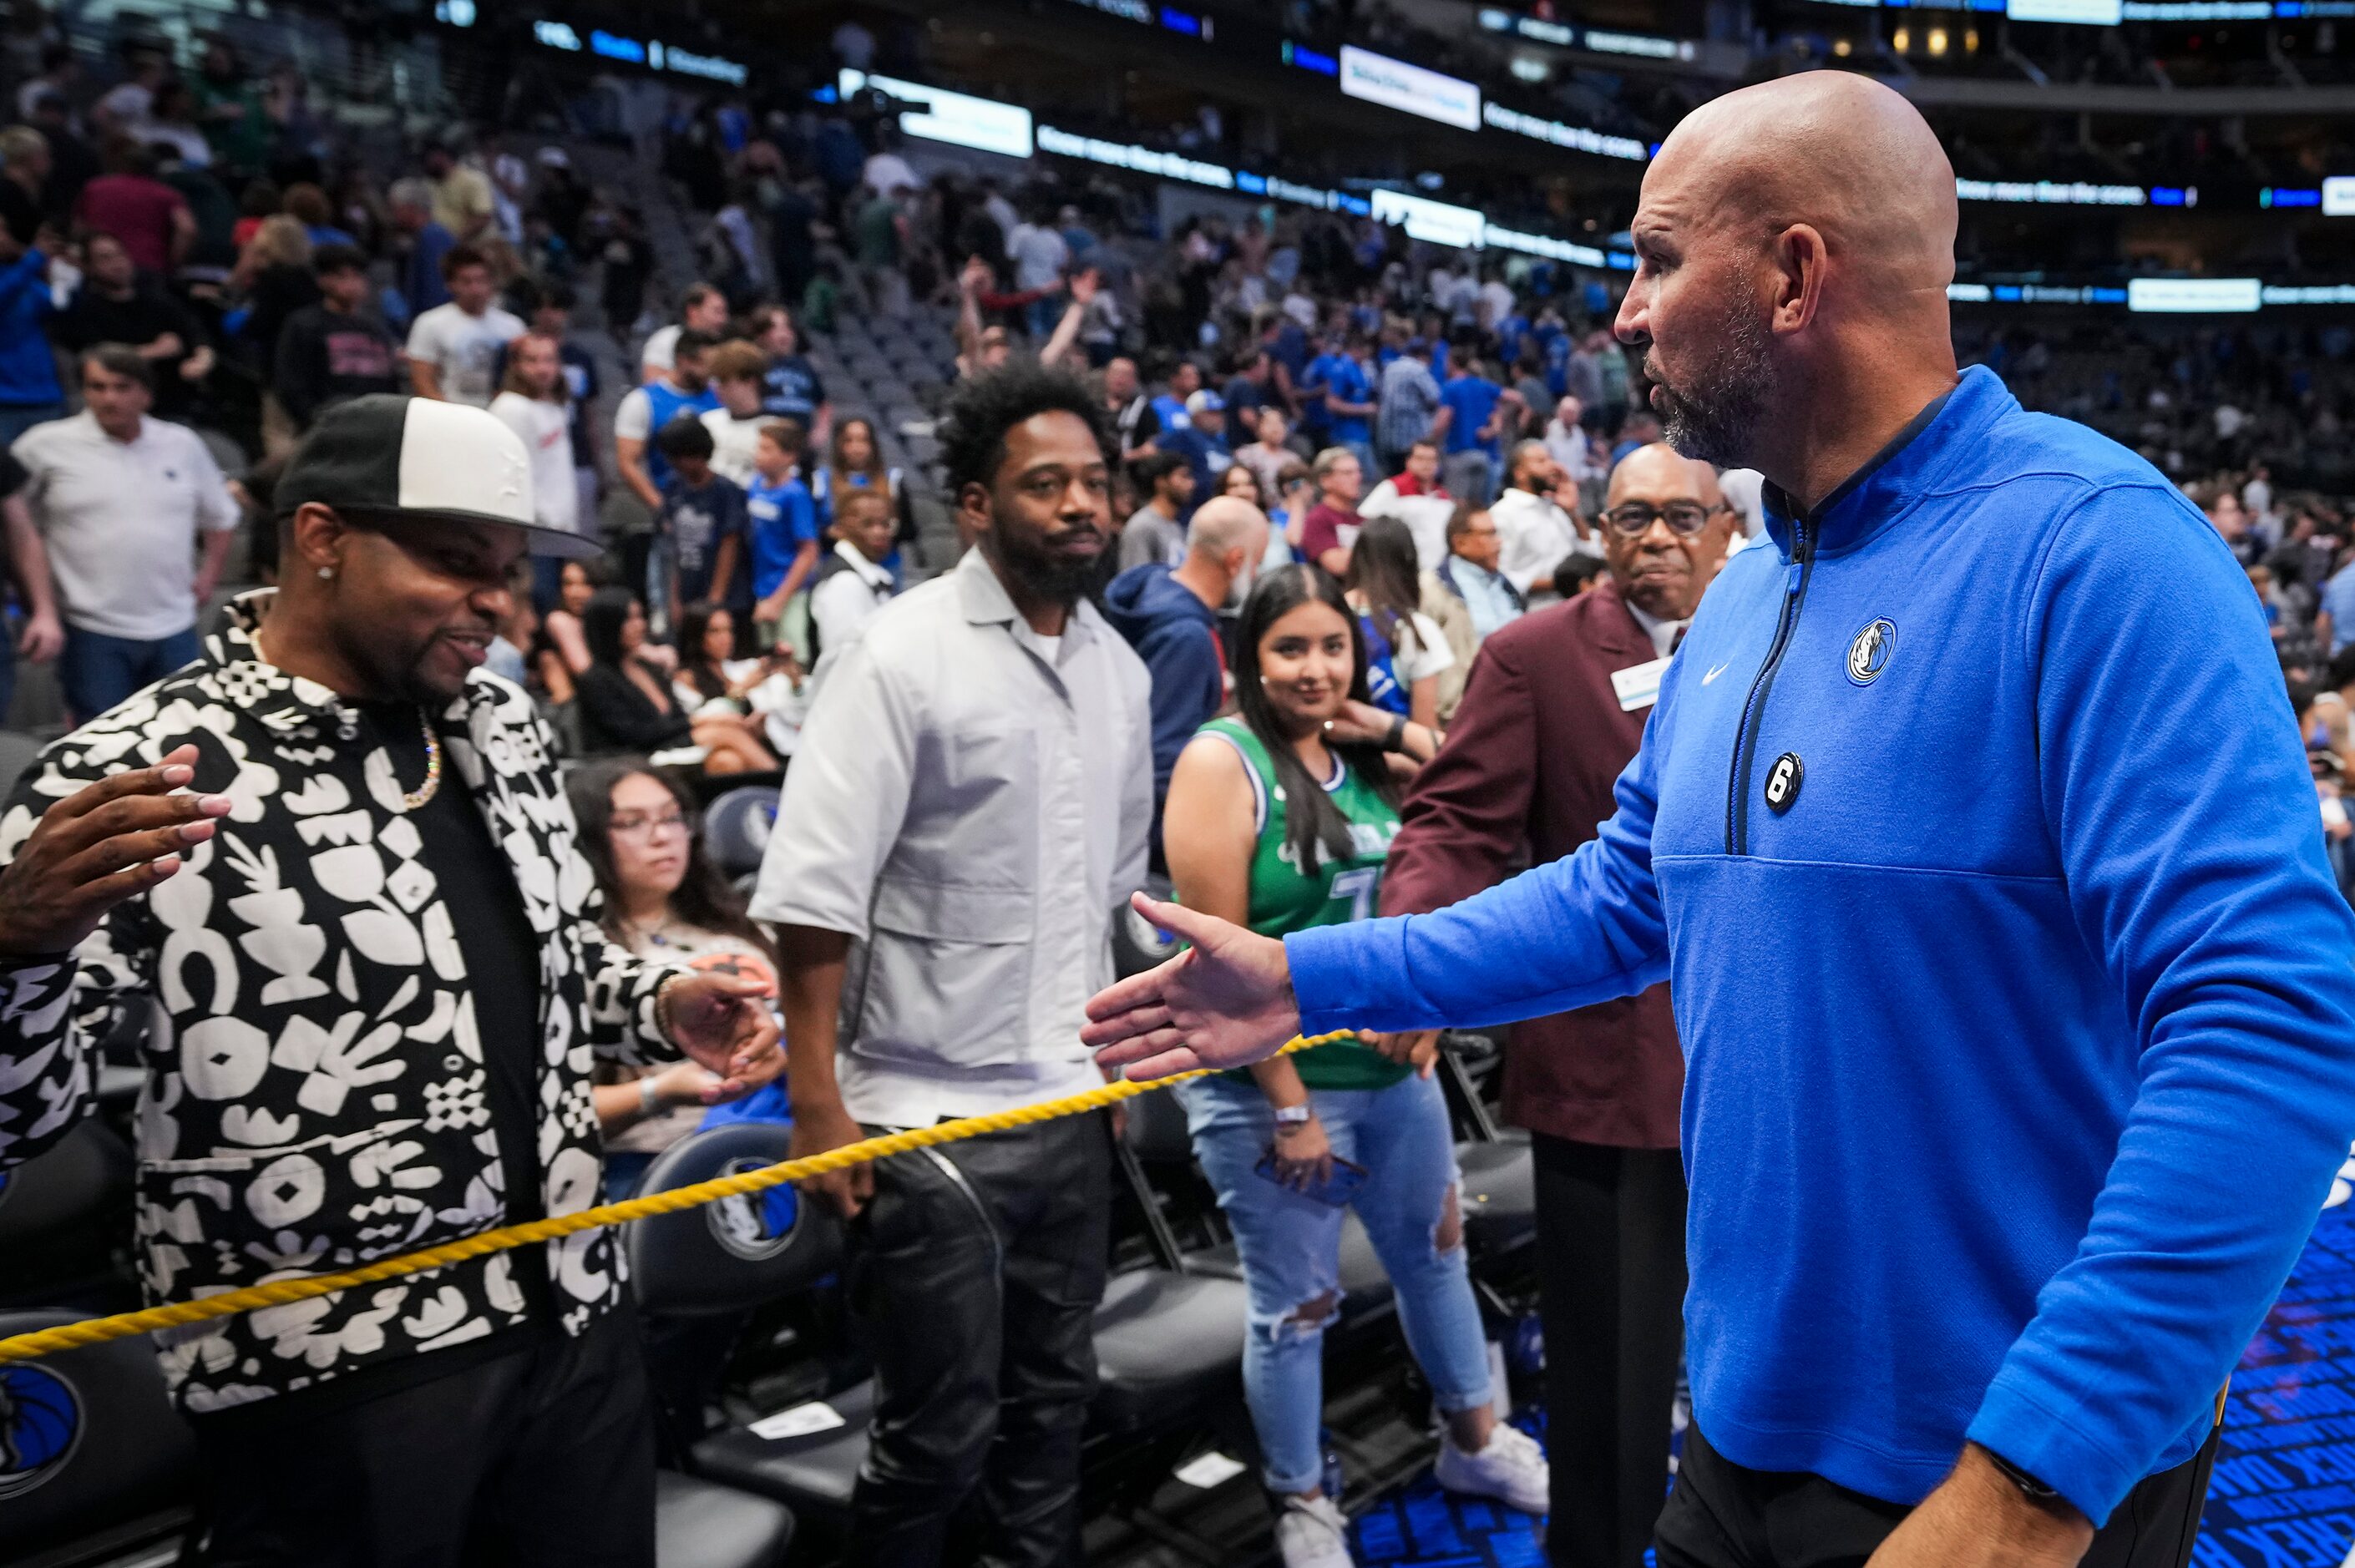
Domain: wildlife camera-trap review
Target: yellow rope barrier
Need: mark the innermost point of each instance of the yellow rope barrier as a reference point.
(277, 1292)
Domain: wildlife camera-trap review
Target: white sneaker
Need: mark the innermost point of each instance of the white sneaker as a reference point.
(1511, 1470)
(1312, 1533)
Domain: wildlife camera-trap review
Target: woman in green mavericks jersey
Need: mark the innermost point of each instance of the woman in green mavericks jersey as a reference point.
(1280, 819)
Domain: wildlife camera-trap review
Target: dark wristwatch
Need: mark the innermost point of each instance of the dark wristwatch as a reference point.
(2029, 1486)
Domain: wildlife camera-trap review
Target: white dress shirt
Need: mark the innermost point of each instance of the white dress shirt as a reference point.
(969, 804)
(845, 601)
(1536, 534)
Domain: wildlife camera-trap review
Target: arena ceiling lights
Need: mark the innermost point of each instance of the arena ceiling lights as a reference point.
(2160, 296)
(959, 119)
(1409, 88)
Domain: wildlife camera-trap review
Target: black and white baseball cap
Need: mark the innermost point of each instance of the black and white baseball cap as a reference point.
(384, 457)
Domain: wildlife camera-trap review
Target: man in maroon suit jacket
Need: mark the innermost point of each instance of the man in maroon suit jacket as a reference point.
(1555, 710)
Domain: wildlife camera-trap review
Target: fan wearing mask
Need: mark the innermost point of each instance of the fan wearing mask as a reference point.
(1171, 616)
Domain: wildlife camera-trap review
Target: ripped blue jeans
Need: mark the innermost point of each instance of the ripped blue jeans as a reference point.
(1290, 1247)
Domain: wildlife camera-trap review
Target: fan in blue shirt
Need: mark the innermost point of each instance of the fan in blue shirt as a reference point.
(1348, 384)
(783, 521)
(1471, 401)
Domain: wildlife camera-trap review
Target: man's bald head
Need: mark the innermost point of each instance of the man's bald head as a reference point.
(1836, 150)
(1796, 239)
(1224, 522)
(1225, 545)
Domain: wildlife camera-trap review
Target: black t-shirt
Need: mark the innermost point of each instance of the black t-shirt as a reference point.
(501, 953)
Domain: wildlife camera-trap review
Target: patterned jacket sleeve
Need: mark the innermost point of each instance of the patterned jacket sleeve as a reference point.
(54, 1013)
(621, 986)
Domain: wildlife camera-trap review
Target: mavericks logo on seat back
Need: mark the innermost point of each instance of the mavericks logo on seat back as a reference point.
(40, 1424)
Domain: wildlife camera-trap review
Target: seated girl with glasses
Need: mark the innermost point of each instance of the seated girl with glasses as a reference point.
(662, 899)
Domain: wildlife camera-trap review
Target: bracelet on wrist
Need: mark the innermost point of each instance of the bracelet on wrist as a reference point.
(1290, 1118)
(662, 1006)
(649, 1099)
(1396, 739)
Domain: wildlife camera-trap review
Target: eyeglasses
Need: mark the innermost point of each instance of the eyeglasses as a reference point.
(635, 826)
(1634, 518)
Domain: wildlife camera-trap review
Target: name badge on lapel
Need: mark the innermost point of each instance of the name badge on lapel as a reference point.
(1638, 685)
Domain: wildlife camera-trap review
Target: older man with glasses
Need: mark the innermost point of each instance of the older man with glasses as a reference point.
(1554, 711)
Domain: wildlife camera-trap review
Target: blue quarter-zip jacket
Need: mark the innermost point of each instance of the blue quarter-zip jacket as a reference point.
(2020, 1041)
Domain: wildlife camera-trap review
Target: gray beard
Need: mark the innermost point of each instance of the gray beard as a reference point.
(1717, 421)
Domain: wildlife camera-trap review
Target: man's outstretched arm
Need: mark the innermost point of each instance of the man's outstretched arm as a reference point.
(1565, 935)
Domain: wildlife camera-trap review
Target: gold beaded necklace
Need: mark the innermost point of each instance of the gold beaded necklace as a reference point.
(415, 797)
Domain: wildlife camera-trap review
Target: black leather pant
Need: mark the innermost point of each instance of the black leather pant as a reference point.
(1723, 1515)
(976, 1271)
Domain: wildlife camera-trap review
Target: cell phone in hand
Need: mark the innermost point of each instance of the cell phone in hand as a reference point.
(1335, 1192)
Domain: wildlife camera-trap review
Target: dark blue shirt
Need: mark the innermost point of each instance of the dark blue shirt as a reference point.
(792, 390)
(420, 279)
(695, 519)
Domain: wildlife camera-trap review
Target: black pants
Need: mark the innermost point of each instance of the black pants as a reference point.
(1724, 1516)
(1611, 1262)
(542, 1456)
(977, 1269)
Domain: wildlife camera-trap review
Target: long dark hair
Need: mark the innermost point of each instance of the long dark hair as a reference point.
(701, 672)
(877, 473)
(703, 898)
(1314, 826)
(600, 624)
(1383, 568)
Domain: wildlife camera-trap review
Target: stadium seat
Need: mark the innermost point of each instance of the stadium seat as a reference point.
(61, 1215)
(701, 1524)
(1167, 1345)
(736, 828)
(1499, 1185)
(731, 1257)
(1169, 1340)
(93, 1457)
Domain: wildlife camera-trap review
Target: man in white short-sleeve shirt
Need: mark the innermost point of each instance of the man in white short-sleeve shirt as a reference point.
(123, 502)
(531, 404)
(702, 309)
(454, 348)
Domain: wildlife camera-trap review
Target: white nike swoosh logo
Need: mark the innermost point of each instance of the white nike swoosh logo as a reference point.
(1713, 675)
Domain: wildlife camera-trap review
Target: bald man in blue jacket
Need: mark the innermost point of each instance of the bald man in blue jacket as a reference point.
(1974, 834)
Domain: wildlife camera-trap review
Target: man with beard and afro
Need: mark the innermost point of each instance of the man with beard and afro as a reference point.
(1977, 843)
(968, 808)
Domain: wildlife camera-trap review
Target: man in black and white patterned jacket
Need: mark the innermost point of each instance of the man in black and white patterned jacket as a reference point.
(334, 860)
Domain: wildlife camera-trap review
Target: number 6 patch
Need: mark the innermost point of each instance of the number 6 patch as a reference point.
(1782, 783)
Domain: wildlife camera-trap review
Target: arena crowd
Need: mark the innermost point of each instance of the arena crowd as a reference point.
(1310, 537)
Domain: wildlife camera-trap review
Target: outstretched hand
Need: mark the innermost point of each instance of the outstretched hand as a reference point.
(1225, 1002)
(724, 1022)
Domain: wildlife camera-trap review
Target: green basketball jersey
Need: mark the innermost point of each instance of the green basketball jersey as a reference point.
(1285, 898)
